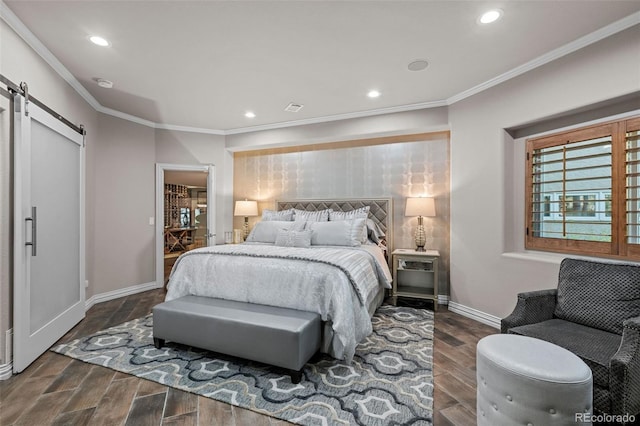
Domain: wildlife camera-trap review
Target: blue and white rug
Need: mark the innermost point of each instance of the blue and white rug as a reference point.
(389, 382)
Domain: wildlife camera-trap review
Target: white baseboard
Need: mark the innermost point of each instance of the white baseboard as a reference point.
(110, 295)
(475, 314)
(443, 299)
(6, 370)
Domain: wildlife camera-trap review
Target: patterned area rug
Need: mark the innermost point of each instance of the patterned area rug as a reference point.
(389, 382)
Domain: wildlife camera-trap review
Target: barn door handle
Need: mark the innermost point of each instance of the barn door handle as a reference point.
(34, 226)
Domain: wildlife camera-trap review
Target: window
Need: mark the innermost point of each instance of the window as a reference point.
(583, 191)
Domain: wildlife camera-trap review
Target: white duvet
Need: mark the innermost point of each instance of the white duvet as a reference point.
(338, 283)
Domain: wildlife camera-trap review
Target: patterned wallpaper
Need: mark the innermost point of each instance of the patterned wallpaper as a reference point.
(393, 170)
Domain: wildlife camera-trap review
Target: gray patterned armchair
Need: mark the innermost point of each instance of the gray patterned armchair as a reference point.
(594, 313)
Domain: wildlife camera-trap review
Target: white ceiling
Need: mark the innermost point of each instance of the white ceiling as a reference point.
(202, 64)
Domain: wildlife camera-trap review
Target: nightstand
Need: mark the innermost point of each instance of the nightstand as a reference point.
(415, 274)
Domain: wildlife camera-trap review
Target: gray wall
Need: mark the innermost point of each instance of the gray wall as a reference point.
(488, 263)
(124, 199)
(394, 170)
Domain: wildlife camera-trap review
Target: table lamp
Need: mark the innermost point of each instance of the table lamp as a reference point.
(422, 206)
(246, 208)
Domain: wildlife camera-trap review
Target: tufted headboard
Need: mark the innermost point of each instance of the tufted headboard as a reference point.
(380, 211)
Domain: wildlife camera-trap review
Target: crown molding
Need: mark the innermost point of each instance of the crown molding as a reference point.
(125, 116)
(601, 34)
(336, 117)
(190, 129)
(18, 26)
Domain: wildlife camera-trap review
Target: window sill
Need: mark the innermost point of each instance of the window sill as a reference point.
(556, 258)
(536, 256)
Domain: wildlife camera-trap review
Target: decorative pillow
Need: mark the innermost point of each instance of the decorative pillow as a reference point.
(266, 232)
(362, 212)
(317, 216)
(293, 238)
(339, 233)
(283, 215)
(374, 232)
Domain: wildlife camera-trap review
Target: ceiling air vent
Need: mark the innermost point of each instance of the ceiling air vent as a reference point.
(293, 107)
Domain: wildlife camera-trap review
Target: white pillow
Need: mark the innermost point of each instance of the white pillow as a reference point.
(293, 238)
(339, 233)
(317, 216)
(283, 215)
(362, 212)
(374, 232)
(267, 231)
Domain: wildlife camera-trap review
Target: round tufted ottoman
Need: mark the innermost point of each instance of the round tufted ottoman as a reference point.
(527, 381)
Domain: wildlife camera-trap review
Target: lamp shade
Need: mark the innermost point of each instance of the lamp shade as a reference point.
(246, 208)
(422, 206)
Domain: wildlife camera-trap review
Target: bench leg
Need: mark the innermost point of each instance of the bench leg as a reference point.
(296, 376)
(158, 343)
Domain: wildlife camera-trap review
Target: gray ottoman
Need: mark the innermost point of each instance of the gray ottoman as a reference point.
(527, 381)
(282, 337)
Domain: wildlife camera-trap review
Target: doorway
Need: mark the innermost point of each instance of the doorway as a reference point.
(185, 213)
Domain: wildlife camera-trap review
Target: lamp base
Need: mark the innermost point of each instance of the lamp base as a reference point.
(245, 229)
(421, 237)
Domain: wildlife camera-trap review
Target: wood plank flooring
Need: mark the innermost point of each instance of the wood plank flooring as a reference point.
(57, 390)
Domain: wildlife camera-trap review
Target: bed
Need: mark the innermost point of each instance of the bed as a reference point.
(322, 256)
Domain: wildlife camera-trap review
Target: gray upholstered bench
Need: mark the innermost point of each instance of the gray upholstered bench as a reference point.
(282, 337)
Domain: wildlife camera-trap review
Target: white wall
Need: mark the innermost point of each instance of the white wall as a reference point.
(483, 192)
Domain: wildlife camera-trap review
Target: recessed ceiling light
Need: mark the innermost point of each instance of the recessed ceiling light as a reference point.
(99, 41)
(418, 65)
(103, 82)
(373, 94)
(490, 16)
(249, 114)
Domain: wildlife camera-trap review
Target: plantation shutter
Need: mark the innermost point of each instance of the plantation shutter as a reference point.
(570, 192)
(583, 191)
(632, 187)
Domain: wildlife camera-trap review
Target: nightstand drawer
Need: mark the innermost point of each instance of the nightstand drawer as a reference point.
(415, 265)
(414, 278)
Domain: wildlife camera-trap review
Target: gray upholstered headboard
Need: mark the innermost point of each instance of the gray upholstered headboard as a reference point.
(380, 211)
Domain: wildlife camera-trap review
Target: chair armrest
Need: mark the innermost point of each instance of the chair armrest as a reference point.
(624, 381)
(532, 307)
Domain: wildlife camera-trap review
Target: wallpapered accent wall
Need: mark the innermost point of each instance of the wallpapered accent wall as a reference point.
(394, 170)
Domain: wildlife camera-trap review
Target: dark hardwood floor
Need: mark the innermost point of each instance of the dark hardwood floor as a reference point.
(57, 390)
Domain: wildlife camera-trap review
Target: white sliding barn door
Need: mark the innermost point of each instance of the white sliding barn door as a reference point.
(49, 294)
